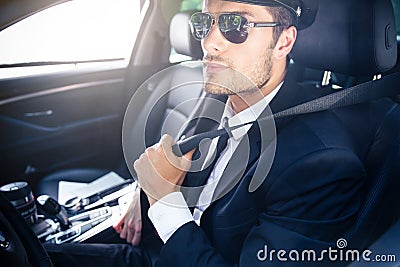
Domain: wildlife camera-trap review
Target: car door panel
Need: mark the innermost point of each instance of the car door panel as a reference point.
(59, 121)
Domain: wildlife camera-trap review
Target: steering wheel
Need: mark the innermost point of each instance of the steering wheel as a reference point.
(19, 246)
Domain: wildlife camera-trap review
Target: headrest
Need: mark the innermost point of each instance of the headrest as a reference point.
(351, 37)
(181, 38)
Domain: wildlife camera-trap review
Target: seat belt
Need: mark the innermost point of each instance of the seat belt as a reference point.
(387, 86)
(364, 92)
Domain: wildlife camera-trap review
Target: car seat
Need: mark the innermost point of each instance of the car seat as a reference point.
(167, 116)
(358, 39)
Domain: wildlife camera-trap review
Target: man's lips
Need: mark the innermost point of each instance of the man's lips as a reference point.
(213, 67)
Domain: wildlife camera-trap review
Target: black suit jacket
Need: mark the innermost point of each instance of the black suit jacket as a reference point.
(308, 199)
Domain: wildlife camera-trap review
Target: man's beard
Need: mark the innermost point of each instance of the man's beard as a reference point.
(231, 81)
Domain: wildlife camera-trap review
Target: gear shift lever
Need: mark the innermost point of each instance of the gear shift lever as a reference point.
(54, 210)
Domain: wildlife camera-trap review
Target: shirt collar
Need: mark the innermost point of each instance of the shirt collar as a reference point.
(249, 114)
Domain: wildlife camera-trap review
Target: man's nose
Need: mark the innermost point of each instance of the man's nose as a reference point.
(215, 43)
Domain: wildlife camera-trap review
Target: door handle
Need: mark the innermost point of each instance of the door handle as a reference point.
(39, 113)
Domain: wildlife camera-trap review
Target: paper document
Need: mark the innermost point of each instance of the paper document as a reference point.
(67, 190)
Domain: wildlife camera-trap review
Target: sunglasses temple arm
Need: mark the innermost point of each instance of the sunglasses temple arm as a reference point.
(266, 24)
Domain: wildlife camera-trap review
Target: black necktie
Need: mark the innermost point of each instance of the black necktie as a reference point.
(199, 178)
(221, 145)
(205, 173)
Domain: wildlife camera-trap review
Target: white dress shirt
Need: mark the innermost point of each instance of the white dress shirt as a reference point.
(171, 212)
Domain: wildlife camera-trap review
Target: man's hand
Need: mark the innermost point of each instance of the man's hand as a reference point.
(159, 171)
(129, 227)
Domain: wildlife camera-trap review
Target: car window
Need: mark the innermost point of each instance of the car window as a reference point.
(72, 35)
(191, 5)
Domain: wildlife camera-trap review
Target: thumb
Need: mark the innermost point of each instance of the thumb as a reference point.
(189, 155)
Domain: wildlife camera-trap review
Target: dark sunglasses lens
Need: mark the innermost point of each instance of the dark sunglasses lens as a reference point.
(200, 25)
(233, 27)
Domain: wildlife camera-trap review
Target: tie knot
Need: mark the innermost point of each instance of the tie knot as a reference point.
(223, 139)
(225, 126)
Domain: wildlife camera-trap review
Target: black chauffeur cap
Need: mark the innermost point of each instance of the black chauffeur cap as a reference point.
(305, 10)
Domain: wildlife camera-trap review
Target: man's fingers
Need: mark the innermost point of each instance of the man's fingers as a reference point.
(167, 139)
(136, 238)
(127, 231)
(137, 233)
(123, 232)
(118, 226)
(141, 165)
(134, 232)
(181, 163)
(166, 143)
(130, 234)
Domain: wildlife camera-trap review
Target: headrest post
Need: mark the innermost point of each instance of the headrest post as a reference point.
(326, 80)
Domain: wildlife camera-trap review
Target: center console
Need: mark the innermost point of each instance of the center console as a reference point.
(79, 219)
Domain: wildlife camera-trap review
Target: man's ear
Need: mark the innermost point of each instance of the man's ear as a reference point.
(285, 43)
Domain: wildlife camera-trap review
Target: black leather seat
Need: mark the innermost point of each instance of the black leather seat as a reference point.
(167, 116)
(360, 41)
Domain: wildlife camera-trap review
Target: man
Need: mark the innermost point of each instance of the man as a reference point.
(306, 201)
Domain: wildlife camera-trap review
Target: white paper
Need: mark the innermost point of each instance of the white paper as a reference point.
(67, 190)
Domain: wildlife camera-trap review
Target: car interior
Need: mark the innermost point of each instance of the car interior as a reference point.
(81, 141)
(168, 107)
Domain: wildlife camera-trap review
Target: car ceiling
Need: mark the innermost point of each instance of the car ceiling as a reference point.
(12, 11)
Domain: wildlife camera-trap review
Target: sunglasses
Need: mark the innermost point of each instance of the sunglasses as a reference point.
(234, 27)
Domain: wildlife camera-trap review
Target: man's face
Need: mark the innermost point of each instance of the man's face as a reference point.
(249, 63)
